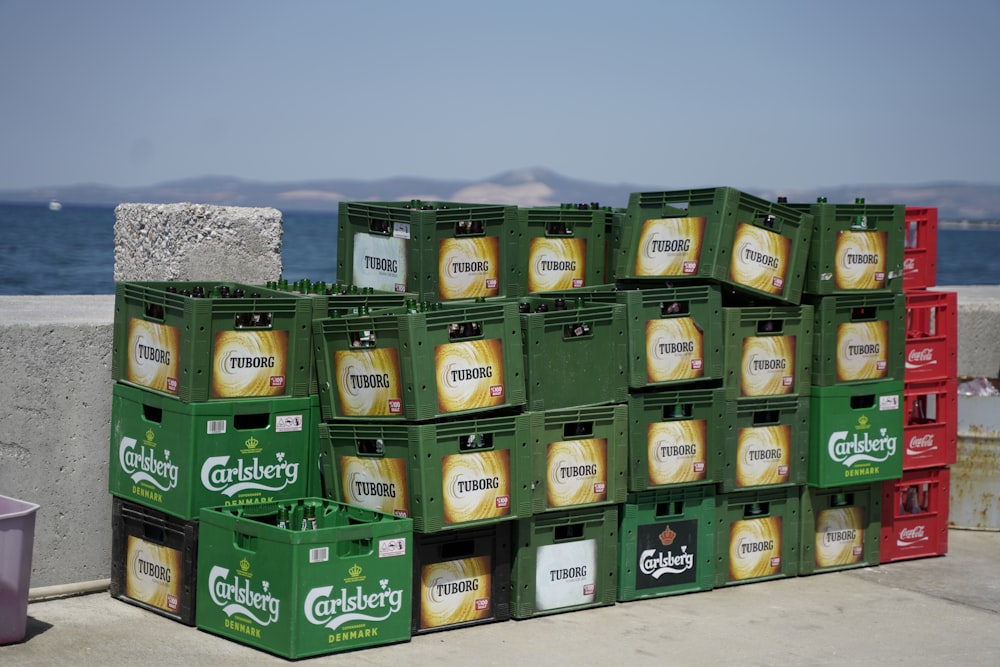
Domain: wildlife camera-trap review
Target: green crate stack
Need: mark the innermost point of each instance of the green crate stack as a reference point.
(766, 443)
(768, 351)
(841, 527)
(757, 536)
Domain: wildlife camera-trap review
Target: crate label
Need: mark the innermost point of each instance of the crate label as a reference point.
(760, 259)
(470, 375)
(379, 262)
(890, 402)
(862, 351)
(763, 455)
(676, 451)
(455, 591)
(216, 427)
(389, 548)
(238, 593)
(667, 554)
(150, 467)
(469, 267)
(154, 355)
(767, 366)
(375, 483)
(840, 536)
(154, 574)
(576, 472)
(319, 554)
(252, 473)
(368, 382)
(556, 263)
(401, 230)
(288, 423)
(859, 260)
(472, 482)
(867, 449)
(565, 574)
(367, 604)
(755, 548)
(669, 246)
(249, 363)
(675, 349)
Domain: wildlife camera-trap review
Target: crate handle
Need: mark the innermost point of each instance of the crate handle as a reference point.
(370, 447)
(756, 509)
(474, 442)
(378, 226)
(668, 509)
(152, 413)
(557, 228)
(465, 330)
(571, 531)
(458, 549)
(154, 311)
(863, 402)
(674, 308)
(578, 429)
(844, 499)
(678, 411)
(577, 330)
(469, 228)
(767, 220)
(862, 313)
(362, 338)
(769, 327)
(766, 417)
(252, 320)
(353, 548)
(252, 422)
(245, 542)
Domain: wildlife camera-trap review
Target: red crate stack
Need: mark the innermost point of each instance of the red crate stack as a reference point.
(915, 515)
(920, 248)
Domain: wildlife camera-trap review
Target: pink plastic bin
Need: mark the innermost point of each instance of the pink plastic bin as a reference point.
(17, 535)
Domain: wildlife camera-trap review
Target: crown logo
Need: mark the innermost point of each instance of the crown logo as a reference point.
(667, 536)
(862, 422)
(244, 565)
(150, 434)
(355, 571)
(252, 442)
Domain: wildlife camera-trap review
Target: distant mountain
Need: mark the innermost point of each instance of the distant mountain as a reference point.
(524, 187)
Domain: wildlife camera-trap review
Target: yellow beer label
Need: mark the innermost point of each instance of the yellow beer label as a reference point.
(154, 355)
(154, 574)
(676, 451)
(675, 350)
(763, 455)
(379, 262)
(577, 472)
(768, 366)
(476, 486)
(469, 375)
(556, 263)
(754, 548)
(669, 246)
(456, 591)
(250, 363)
(376, 483)
(840, 536)
(368, 382)
(469, 268)
(862, 351)
(759, 259)
(859, 260)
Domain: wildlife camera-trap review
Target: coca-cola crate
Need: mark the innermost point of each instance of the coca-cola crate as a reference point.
(564, 246)
(920, 248)
(768, 350)
(931, 335)
(766, 443)
(757, 536)
(931, 428)
(841, 527)
(915, 515)
(461, 578)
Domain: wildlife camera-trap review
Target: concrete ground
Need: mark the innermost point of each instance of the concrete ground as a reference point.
(931, 611)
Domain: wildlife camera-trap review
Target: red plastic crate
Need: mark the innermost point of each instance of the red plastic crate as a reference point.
(915, 515)
(920, 248)
(931, 335)
(930, 430)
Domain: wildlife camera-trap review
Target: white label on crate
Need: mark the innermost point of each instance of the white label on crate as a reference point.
(888, 402)
(216, 426)
(565, 574)
(401, 230)
(392, 547)
(287, 423)
(319, 555)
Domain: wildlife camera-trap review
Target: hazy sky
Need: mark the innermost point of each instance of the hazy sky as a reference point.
(752, 94)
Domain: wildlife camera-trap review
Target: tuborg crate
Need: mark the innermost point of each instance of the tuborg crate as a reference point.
(766, 443)
(565, 561)
(461, 578)
(213, 347)
(440, 250)
(179, 457)
(768, 350)
(915, 514)
(297, 593)
(931, 428)
(444, 474)
(556, 340)
(667, 542)
(841, 527)
(153, 560)
(757, 536)
(720, 234)
(565, 246)
(920, 248)
(859, 338)
(931, 335)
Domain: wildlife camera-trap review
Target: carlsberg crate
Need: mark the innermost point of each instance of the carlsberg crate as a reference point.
(574, 354)
(676, 437)
(757, 536)
(205, 341)
(565, 246)
(841, 527)
(856, 434)
(407, 365)
(667, 543)
(719, 234)
(440, 250)
(859, 338)
(344, 585)
(766, 443)
(768, 350)
(565, 561)
(180, 457)
(579, 457)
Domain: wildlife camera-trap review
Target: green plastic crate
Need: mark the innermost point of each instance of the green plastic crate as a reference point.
(757, 537)
(443, 474)
(676, 437)
(574, 352)
(859, 338)
(398, 365)
(440, 250)
(579, 457)
(717, 234)
(565, 561)
(565, 246)
(856, 434)
(768, 351)
(841, 528)
(766, 443)
(180, 457)
(297, 593)
(667, 543)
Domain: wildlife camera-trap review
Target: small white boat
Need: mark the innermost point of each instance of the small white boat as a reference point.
(55, 206)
